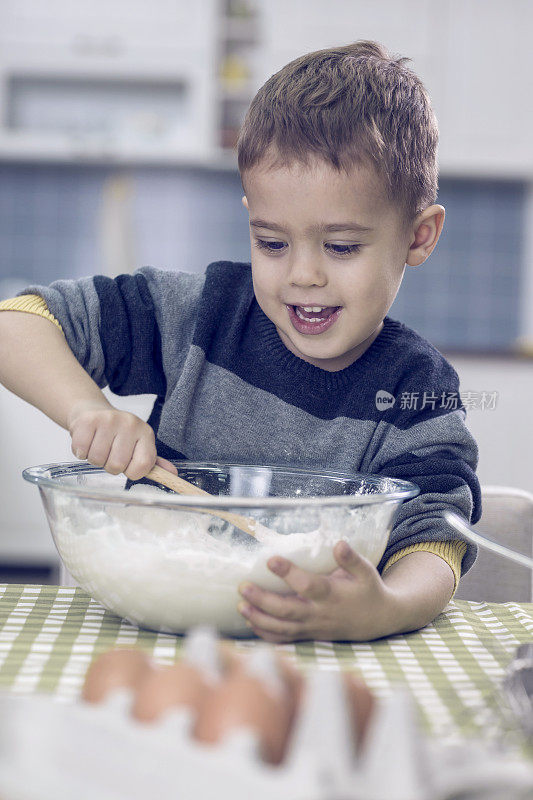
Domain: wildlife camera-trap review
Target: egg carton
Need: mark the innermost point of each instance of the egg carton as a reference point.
(51, 750)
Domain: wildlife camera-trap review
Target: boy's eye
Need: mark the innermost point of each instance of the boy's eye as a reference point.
(273, 247)
(344, 249)
(337, 249)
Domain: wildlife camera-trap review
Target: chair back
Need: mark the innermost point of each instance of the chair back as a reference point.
(507, 517)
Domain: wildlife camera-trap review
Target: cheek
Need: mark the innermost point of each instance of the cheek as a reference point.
(263, 285)
(372, 297)
(367, 285)
(378, 283)
(264, 276)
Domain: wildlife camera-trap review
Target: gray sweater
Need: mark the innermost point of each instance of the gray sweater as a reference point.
(229, 390)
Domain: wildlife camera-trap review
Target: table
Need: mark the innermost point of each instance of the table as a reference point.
(50, 634)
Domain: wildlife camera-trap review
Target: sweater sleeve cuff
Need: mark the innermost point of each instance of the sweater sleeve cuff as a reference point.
(30, 303)
(451, 552)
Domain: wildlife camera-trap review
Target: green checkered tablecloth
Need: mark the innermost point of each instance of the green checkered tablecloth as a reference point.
(50, 634)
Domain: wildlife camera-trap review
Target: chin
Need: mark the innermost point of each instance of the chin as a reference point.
(325, 358)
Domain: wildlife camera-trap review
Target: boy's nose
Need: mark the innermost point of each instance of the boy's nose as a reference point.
(306, 270)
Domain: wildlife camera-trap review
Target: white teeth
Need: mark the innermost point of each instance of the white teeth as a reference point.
(307, 319)
(314, 308)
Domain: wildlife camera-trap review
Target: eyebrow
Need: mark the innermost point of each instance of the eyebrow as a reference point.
(342, 226)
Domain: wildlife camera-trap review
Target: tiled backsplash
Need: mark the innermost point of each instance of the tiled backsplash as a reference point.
(466, 296)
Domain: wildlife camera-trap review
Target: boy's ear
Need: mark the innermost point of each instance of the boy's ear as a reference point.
(245, 202)
(427, 228)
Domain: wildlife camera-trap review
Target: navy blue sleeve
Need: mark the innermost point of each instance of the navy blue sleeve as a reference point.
(130, 336)
(111, 326)
(432, 447)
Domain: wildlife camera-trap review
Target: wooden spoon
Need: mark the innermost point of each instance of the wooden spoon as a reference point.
(181, 486)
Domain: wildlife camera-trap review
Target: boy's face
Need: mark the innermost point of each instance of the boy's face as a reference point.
(326, 291)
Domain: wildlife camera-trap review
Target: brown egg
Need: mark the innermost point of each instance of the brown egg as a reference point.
(245, 699)
(120, 668)
(294, 681)
(362, 703)
(180, 685)
(228, 657)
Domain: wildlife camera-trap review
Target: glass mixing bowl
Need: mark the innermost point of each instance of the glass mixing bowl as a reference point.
(156, 559)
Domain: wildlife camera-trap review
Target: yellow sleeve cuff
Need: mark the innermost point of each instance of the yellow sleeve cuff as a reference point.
(451, 552)
(31, 304)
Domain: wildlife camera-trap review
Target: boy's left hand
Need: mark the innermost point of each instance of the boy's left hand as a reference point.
(353, 603)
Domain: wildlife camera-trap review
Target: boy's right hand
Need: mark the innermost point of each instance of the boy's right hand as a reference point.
(116, 440)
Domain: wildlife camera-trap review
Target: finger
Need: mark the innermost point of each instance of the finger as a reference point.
(267, 623)
(100, 447)
(306, 584)
(291, 607)
(163, 462)
(229, 659)
(120, 454)
(352, 562)
(142, 460)
(294, 682)
(82, 439)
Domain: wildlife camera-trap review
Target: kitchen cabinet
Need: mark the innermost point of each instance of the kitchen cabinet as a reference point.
(107, 79)
(474, 57)
(483, 91)
(184, 73)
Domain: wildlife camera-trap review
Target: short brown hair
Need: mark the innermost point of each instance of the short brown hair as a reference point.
(349, 105)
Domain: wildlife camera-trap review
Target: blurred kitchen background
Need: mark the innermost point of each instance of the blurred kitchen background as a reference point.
(118, 120)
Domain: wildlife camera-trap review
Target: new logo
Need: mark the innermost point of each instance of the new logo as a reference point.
(384, 400)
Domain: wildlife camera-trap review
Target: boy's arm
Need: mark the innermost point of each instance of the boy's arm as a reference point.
(117, 333)
(439, 456)
(436, 451)
(422, 584)
(352, 604)
(37, 364)
(451, 552)
(358, 603)
(423, 438)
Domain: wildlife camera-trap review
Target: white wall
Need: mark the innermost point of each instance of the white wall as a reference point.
(505, 434)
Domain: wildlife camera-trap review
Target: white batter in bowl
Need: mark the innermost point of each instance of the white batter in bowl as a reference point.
(148, 557)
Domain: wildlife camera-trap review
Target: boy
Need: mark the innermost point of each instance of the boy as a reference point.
(287, 362)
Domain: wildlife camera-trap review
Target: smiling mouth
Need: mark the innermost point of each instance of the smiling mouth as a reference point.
(313, 319)
(314, 313)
